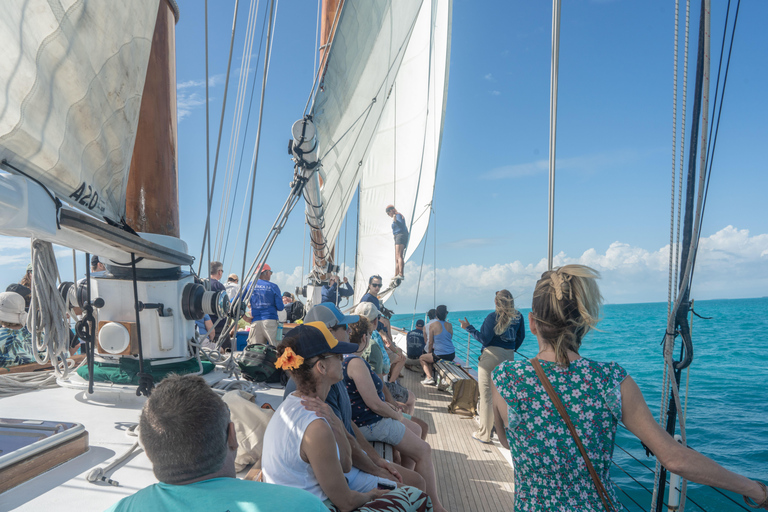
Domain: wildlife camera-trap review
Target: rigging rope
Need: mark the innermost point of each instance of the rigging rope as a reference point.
(242, 87)
(47, 310)
(421, 268)
(207, 229)
(240, 164)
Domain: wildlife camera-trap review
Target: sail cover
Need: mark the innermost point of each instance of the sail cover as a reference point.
(71, 78)
(401, 165)
(365, 55)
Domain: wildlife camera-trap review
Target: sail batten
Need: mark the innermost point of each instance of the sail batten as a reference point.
(71, 83)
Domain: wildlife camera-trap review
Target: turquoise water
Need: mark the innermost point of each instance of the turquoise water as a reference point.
(727, 416)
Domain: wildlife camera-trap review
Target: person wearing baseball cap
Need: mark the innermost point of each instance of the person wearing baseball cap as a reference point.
(305, 438)
(266, 301)
(15, 340)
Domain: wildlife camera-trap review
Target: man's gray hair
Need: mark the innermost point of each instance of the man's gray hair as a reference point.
(216, 266)
(184, 428)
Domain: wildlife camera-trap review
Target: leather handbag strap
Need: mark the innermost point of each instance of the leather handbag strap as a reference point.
(564, 414)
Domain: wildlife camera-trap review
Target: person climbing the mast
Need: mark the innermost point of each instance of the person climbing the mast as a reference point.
(400, 231)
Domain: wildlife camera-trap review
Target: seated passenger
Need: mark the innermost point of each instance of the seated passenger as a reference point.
(376, 356)
(186, 433)
(15, 340)
(379, 420)
(439, 346)
(306, 444)
(415, 344)
(364, 456)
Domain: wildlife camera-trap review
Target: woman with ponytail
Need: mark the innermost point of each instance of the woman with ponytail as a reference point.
(502, 333)
(550, 472)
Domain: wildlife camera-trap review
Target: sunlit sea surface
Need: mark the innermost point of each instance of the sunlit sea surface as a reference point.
(727, 415)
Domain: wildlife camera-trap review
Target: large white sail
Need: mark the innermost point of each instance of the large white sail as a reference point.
(71, 79)
(365, 56)
(401, 165)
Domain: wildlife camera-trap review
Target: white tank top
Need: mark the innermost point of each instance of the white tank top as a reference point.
(281, 460)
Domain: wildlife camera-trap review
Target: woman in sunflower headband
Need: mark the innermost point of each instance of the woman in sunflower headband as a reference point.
(305, 444)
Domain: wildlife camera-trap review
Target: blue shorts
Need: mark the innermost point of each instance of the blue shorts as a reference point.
(385, 430)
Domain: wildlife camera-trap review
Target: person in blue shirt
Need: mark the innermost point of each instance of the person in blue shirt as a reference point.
(333, 290)
(186, 433)
(266, 301)
(400, 232)
(502, 333)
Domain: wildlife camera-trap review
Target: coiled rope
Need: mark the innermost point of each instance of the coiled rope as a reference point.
(47, 310)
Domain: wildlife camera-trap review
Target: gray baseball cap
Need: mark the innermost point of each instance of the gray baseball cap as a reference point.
(329, 314)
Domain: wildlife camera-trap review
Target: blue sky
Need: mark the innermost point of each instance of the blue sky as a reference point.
(614, 149)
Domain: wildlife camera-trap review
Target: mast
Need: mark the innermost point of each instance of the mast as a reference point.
(152, 195)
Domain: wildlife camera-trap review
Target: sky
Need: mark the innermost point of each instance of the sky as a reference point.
(489, 231)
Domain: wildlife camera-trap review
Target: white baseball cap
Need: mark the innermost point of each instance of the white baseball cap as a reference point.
(12, 308)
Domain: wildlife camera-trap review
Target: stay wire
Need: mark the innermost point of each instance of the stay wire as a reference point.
(207, 229)
(237, 119)
(242, 152)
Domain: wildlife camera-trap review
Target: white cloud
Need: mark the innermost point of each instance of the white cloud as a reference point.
(191, 94)
(489, 77)
(730, 264)
(584, 163)
(496, 93)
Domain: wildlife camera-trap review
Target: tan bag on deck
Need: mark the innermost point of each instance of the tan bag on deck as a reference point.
(465, 396)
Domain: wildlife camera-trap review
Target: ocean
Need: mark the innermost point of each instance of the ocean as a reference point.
(727, 415)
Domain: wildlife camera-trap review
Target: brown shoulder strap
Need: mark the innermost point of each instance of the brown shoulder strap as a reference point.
(564, 414)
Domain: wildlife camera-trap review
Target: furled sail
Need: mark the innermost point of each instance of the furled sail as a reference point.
(71, 80)
(366, 52)
(401, 165)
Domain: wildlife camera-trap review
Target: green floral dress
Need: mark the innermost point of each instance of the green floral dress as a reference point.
(15, 347)
(550, 474)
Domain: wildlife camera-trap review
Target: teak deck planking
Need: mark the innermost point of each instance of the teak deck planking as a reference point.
(471, 476)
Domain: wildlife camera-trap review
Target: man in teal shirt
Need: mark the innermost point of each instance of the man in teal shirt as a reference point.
(186, 433)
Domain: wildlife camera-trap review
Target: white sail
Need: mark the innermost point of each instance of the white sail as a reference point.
(71, 79)
(365, 55)
(401, 165)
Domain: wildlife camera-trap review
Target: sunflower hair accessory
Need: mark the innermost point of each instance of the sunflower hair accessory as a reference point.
(290, 360)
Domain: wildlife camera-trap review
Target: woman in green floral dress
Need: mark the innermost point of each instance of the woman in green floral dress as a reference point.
(15, 340)
(550, 473)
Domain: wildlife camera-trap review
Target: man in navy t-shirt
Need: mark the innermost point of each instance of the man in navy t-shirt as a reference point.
(415, 341)
(266, 301)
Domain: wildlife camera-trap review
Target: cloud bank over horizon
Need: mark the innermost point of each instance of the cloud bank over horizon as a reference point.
(731, 263)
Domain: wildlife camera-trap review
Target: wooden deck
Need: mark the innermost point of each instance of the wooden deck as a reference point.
(470, 475)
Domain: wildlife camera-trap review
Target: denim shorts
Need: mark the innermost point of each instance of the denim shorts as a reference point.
(385, 430)
(398, 391)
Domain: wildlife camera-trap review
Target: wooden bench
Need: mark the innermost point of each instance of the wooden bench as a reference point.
(383, 449)
(447, 374)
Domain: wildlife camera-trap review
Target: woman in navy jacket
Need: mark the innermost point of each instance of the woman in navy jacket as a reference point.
(502, 333)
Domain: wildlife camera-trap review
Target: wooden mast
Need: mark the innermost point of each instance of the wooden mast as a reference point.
(322, 254)
(152, 195)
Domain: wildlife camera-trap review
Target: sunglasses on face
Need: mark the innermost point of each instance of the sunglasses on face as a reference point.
(376, 285)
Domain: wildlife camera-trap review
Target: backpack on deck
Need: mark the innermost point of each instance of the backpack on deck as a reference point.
(466, 393)
(257, 363)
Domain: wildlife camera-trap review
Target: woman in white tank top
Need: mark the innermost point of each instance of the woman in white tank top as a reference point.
(305, 444)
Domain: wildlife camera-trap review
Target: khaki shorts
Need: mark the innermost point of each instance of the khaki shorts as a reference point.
(263, 332)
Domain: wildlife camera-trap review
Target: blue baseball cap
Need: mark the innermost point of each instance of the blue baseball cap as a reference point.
(314, 338)
(329, 314)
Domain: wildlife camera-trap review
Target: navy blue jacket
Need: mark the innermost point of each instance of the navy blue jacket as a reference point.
(330, 294)
(511, 339)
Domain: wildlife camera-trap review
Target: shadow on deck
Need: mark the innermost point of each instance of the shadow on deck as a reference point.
(470, 475)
